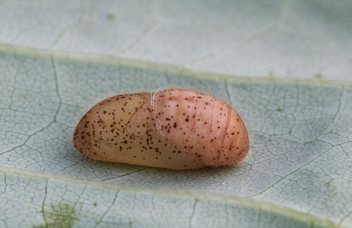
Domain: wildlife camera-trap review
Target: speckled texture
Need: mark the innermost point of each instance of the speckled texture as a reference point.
(175, 129)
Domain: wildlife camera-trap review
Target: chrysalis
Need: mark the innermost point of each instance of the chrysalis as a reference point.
(174, 129)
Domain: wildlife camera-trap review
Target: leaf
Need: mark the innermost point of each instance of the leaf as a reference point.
(63, 201)
(298, 172)
(301, 39)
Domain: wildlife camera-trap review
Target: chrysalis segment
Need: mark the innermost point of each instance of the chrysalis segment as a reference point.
(174, 129)
(204, 127)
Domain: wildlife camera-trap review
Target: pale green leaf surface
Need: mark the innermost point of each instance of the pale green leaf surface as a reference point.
(299, 170)
(45, 200)
(300, 132)
(285, 38)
